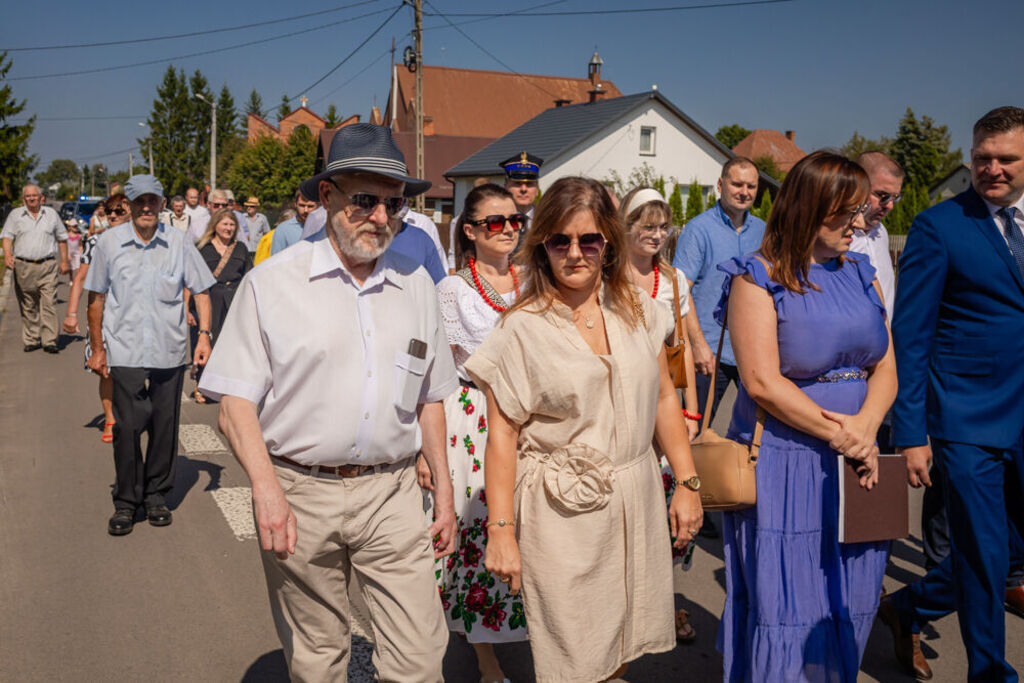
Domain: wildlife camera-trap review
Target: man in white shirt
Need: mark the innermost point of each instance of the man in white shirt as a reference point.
(176, 216)
(192, 206)
(873, 241)
(331, 368)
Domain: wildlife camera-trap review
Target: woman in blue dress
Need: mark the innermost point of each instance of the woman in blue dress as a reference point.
(813, 349)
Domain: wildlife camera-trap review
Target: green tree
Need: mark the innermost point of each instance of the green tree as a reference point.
(332, 116)
(64, 173)
(173, 130)
(641, 176)
(16, 164)
(200, 118)
(284, 108)
(767, 165)
(922, 148)
(271, 169)
(915, 200)
(255, 105)
(694, 201)
(659, 185)
(710, 201)
(764, 209)
(858, 144)
(675, 202)
(731, 135)
(227, 117)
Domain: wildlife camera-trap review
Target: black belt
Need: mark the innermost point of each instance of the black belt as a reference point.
(34, 260)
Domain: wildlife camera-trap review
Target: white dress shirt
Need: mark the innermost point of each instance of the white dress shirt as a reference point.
(327, 360)
(1018, 217)
(874, 244)
(197, 210)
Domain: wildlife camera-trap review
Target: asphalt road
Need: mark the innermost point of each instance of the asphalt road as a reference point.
(188, 602)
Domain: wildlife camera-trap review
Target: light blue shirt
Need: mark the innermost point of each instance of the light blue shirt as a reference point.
(706, 241)
(285, 235)
(144, 323)
(415, 243)
(257, 227)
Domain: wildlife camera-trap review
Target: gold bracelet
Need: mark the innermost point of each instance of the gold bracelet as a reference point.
(501, 522)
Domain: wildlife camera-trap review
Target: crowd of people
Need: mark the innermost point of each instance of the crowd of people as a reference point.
(536, 389)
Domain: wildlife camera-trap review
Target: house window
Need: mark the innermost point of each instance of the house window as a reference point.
(647, 140)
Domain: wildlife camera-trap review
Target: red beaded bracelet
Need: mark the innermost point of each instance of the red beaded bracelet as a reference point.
(691, 416)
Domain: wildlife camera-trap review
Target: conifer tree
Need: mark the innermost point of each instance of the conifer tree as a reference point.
(694, 203)
(284, 108)
(255, 104)
(16, 164)
(675, 202)
(332, 117)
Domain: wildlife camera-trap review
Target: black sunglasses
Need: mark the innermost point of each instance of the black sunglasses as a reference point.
(886, 197)
(364, 203)
(496, 223)
(119, 212)
(590, 243)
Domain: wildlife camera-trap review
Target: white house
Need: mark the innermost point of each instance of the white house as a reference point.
(596, 138)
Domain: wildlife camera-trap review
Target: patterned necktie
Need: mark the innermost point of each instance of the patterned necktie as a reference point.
(1014, 236)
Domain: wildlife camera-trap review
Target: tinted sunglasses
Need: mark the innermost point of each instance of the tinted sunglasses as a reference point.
(363, 203)
(590, 244)
(218, 205)
(496, 223)
(118, 212)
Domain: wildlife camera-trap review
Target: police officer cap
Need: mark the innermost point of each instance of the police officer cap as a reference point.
(523, 166)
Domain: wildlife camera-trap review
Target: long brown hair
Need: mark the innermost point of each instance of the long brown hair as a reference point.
(564, 199)
(211, 227)
(822, 184)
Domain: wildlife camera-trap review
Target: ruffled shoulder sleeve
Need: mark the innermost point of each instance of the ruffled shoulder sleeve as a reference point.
(752, 265)
(866, 274)
(500, 364)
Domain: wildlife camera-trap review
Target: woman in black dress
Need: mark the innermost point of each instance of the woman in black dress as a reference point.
(228, 259)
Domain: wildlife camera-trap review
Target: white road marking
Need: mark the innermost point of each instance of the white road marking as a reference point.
(200, 439)
(235, 503)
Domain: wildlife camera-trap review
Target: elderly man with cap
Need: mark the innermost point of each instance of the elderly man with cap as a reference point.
(256, 223)
(331, 369)
(33, 236)
(144, 266)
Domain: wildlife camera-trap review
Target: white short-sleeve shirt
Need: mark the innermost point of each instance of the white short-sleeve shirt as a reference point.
(328, 361)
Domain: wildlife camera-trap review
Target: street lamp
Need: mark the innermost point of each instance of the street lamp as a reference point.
(149, 139)
(213, 141)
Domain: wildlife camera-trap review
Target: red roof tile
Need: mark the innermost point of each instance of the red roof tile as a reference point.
(765, 142)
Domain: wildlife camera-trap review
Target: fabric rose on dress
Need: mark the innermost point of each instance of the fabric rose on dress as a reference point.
(471, 554)
(578, 478)
(476, 598)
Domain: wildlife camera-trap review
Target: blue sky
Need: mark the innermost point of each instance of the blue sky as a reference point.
(822, 68)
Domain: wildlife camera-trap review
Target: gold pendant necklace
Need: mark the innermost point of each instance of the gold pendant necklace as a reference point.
(589, 322)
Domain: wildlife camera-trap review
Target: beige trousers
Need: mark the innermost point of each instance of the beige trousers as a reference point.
(35, 285)
(372, 525)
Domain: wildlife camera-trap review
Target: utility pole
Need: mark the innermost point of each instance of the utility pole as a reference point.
(390, 106)
(150, 141)
(419, 99)
(131, 164)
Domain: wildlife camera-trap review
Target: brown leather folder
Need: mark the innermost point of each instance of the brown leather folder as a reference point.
(881, 514)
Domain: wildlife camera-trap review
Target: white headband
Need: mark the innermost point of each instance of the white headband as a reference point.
(644, 196)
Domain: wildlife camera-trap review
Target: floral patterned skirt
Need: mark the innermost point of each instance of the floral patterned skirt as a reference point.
(475, 603)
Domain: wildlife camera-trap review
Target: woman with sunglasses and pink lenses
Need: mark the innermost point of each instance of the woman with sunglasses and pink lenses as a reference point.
(115, 212)
(472, 301)
(577, 387)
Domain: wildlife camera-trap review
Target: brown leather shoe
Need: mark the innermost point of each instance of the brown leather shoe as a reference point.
(906, 645)
(1015, 601)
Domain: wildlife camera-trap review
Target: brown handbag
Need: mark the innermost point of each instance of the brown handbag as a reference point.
(726, 468)
(674, 353)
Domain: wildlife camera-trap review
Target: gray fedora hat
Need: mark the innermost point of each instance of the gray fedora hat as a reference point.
(367, 148)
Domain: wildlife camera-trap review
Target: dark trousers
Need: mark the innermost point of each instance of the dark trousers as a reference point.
(985, 504)
(726, 374)
(145, 400)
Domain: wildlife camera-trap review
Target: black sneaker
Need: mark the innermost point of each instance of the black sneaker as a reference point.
(51, 348)
(121, 522)
(32, 347)
(158, 515)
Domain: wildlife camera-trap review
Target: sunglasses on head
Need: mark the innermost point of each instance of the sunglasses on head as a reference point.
(496, 223)
(364, 203)
(590, 244)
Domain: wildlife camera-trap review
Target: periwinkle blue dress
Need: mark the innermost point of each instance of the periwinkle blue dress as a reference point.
(800, 605)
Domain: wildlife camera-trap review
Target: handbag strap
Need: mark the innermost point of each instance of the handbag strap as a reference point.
(224, 258)
(675, 307)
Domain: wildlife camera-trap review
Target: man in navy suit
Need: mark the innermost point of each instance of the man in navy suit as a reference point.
(958, 332)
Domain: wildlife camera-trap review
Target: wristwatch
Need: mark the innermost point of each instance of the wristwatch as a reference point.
(207, 333)
(693, 483)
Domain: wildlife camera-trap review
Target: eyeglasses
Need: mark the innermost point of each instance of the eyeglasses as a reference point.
(590, 244)
(886, 197)
(860, 210)
(496, 223)
(651, 229)
(364, 204)
(119, 212)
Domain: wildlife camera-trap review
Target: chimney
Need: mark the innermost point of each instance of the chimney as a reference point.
(790, 135)
(596, 93)
(594, 71)
(562, 103)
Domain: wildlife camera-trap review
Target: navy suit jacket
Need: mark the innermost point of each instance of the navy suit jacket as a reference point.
(958, 330)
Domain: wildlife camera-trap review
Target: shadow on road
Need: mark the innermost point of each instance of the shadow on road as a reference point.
(187, 475)
(268, 667)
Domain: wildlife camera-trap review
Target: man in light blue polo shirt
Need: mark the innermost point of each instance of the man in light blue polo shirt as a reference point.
(722, 232)
(138, 335)
(289, 232)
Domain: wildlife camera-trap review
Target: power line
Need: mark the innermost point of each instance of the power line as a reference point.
(109, 154)
(196, 54)
(84, 118)
(490, 54)
(354, 77)
(474, 21)
(634, 10)
(191, 34)
(352, 53)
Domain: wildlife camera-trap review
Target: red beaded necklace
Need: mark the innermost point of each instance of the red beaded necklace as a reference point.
(480, 288)
(657, 279)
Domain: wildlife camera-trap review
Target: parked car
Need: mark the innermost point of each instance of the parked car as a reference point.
(81, 209)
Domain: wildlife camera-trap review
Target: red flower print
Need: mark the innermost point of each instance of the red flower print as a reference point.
(471, 554)
(476, 598)
(493, 617)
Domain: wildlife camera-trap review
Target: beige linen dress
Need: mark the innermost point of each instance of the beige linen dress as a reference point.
(589, 500)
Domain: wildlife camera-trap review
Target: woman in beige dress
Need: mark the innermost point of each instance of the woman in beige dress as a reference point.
(577, 387)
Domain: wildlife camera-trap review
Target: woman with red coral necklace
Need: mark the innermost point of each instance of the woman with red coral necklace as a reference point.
(648, 221)
(472, 302)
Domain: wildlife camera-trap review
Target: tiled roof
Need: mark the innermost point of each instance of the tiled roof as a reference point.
(764, 142)
(550, 133)
(476, 103)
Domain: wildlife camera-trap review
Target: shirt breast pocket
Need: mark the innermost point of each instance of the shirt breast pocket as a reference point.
(409, 372)
(168, 288)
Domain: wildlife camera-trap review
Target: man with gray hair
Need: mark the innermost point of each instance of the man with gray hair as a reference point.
(328, 418)
(33, 236)
(217, 200)
(175, 216)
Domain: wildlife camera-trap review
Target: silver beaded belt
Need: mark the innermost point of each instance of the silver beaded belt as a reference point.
(843, 376)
